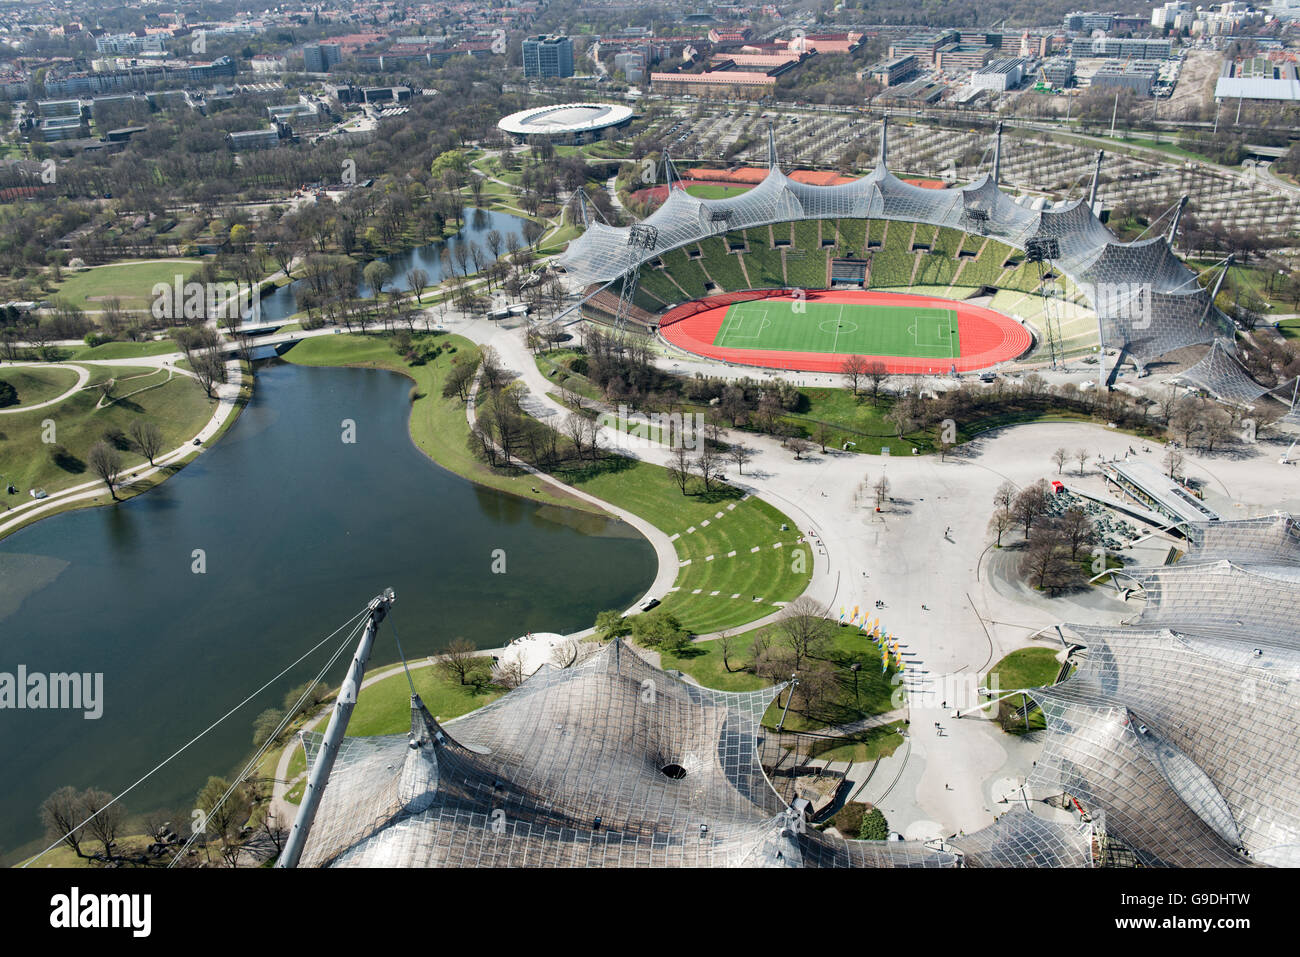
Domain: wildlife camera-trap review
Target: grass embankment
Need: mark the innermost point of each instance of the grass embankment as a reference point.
(126, 350)
(179, 408)
(37, 384)
(714, 592)
(1026, 668)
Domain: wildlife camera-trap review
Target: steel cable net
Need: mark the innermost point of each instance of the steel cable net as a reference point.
(1223, 376)
(1175, 314)
(1020, 838)
(609, 763)
(1180, 727)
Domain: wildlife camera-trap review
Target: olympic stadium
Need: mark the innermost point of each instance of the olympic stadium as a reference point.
(693, 270)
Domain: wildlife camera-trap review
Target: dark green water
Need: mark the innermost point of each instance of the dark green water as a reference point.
(299, 531)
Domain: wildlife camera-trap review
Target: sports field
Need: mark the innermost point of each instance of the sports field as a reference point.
(922, 332)
(817, 330)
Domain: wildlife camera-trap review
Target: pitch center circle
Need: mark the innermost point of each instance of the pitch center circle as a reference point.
(837, 325)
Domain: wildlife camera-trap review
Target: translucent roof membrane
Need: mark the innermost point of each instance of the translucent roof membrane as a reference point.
(609, 763)
(1180, 727)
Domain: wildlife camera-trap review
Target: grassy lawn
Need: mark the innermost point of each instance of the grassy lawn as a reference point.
(1290, 328)
(770, 574)
(127, 350)
(385, 706)
(36, 384)
(702, 660)
(180, 408)
(64, 857)
(438, 426)
(1026, 668)
(869, 745)
(715, 190)
(131, 282)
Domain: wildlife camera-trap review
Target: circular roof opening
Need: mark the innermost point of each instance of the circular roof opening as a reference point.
(674, 771)
(565, 118)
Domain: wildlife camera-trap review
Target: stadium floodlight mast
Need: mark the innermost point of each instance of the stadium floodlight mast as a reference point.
(338, 726)
(1043, 250)
(639, 237)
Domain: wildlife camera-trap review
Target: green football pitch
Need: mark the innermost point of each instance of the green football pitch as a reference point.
(841, 327)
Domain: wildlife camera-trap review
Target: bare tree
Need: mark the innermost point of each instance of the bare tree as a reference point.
(740, 454)
(62, 814)
(803, 629)
(1030, 504)
(106, 462)
(458, 659)
(679, 467)
(1060, 457)
(418, 281)
(876, 373)
(147, 437)
(799, 446)
(1173, 461)
(853, 368)
(726, 644)
(1081, 456)
(881, 489)
(1001, 522)
(105, 818)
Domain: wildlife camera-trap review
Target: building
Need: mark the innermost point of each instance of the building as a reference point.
(319, 57)
(1258, 79)
(566, 123)
(1136, 75)
(895, 70)
(924, 45)
(717, 83)
(1080, 22)
(632, 65)
(1120, 48)
(1058, 72)
(129, 43)
(962, 57)
(301, 115)
(1164, 16)
(548, 57)
(254, 139)
(268, 63)
(1000, 75)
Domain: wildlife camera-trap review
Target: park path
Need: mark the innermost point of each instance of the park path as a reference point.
(83, 374)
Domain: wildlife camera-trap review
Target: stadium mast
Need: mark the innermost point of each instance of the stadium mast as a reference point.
(338, 726)
(1096, 181)
(883, 162)
(772, 162)
(1173, 227)
(997, 154)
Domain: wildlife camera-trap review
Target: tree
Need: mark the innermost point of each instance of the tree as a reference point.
(679, 467)
(740, 454)
(881, 490)
(798, 446)
(106, 462)
(147, 438)
(62, 815)
(874, 826)
(1173, 461)
(612, 624)
(265, 725)
(458, 660)
(853, 368)
(418, 280)
(1030, 503)
(224, 815)
(1001, 522)
(1060, 457)
(377, 274)
(1076, 528)
(726, 644)
(822, 434)
(876, 373)
(103, 817)
(1081, 456)
(660, 629)
(803, 629)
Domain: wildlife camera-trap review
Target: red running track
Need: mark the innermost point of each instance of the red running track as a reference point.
(985, 337)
